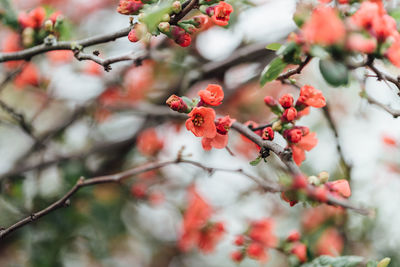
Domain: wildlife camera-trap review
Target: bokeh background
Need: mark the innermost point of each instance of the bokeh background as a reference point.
(90, 134)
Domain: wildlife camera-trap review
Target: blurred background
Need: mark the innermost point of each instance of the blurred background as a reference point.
(84, 121)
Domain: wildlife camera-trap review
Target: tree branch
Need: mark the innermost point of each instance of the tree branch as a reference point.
(117, 178)
(28, 53)
(288, 74)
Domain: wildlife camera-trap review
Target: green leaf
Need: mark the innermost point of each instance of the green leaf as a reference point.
(273, 46)
(272, 70)
(335, 73)
(153, 15)
(255, 162)
(327, 261)
(372, 264)
(319, 51)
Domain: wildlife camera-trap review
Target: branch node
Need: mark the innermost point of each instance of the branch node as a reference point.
(33, 216)
(96, 52)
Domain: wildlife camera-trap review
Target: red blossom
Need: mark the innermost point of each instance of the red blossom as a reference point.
(256, 251)
(267, 134)
(201, 122)
(148, 142)
(224, 124)
(340, 187)
(311, 97)
(34, 19)
(359, 43)
(237, 256)
(270, 101)
(221, 13)
(293, 236)
(286, 100)
(129, 7)
(132, 36)
(177, 104)
(330, 243)
(324, 27)
(307, 142)
(28, 76)
(289, 114)
(300, 250)
(212, 95)
(196, 228)
(262, 232)
(219, 141)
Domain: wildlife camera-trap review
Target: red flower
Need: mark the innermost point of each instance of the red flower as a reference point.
(129, 7)
(262, 232)
(148, 142)
(293, 236)
(196, 227)
(340, 187)
(139, 190)
(212, 95)
(224, 124)
(239, 241)
(33, 19)
(221, 13)
(11, 43)
(307, 142)
(268, 134)
(256, 251)
(201, 122)
(330, 243)
(286, 100)
(393, 53)
(293, 135)
(28, 76)
(219, 141)
(237, 256)
(300, 250)
(289, 114)
(180, 36)
(311, 97)
(359, 43)
(324, 27)
(365, 15)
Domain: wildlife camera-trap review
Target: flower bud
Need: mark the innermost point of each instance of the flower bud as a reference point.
(237, 256)
(270, 101)
(48, 25)
(313, 180)
(177, 104)
(323, 177)
(299, 181)
(321, 194)
(293, 135)
(286, 100)
(176, 7)
(132, 36)
(239, 241)
(164, 27)
(129, 7)
(268, 134)
(277, 126)
(289, 114)
(27, 36)
(293, 236)
(165, 18)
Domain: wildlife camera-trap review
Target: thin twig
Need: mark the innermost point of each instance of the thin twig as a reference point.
(117, 178)
(288, 74)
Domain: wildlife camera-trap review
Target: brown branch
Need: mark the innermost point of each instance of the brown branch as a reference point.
(343, 163)
(192, 4)
(117, 178)
(28, 53)
(136, 57)
(288, 74)
(380, 75)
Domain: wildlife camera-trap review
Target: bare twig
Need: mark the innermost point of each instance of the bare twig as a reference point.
(28, 53)
(300, 67)
(343, 163)
(117, 178)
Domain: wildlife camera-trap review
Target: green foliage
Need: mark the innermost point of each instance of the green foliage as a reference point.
(327, 261)
(153, 15)
(273, 46)
(255, 161)
(335, 73)
(272, 70)
(7, 15)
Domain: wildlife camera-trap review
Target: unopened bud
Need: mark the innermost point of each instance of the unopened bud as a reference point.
(270, 101)
(165, 18)
(277, 126)
(177, 104)
(313, 180)
(323, 177)
(267, 134)
(27, 36)
(132, 36)
(129, 7)
(48, 25)
(176, 7)
(164, 27)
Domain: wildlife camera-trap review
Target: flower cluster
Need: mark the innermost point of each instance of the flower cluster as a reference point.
(370, 30)
(319, 191)
(35, 26)
(299, 138)
(255, 242)
(197, 229)
(202, 120)
(294, 246)
(214, 12)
